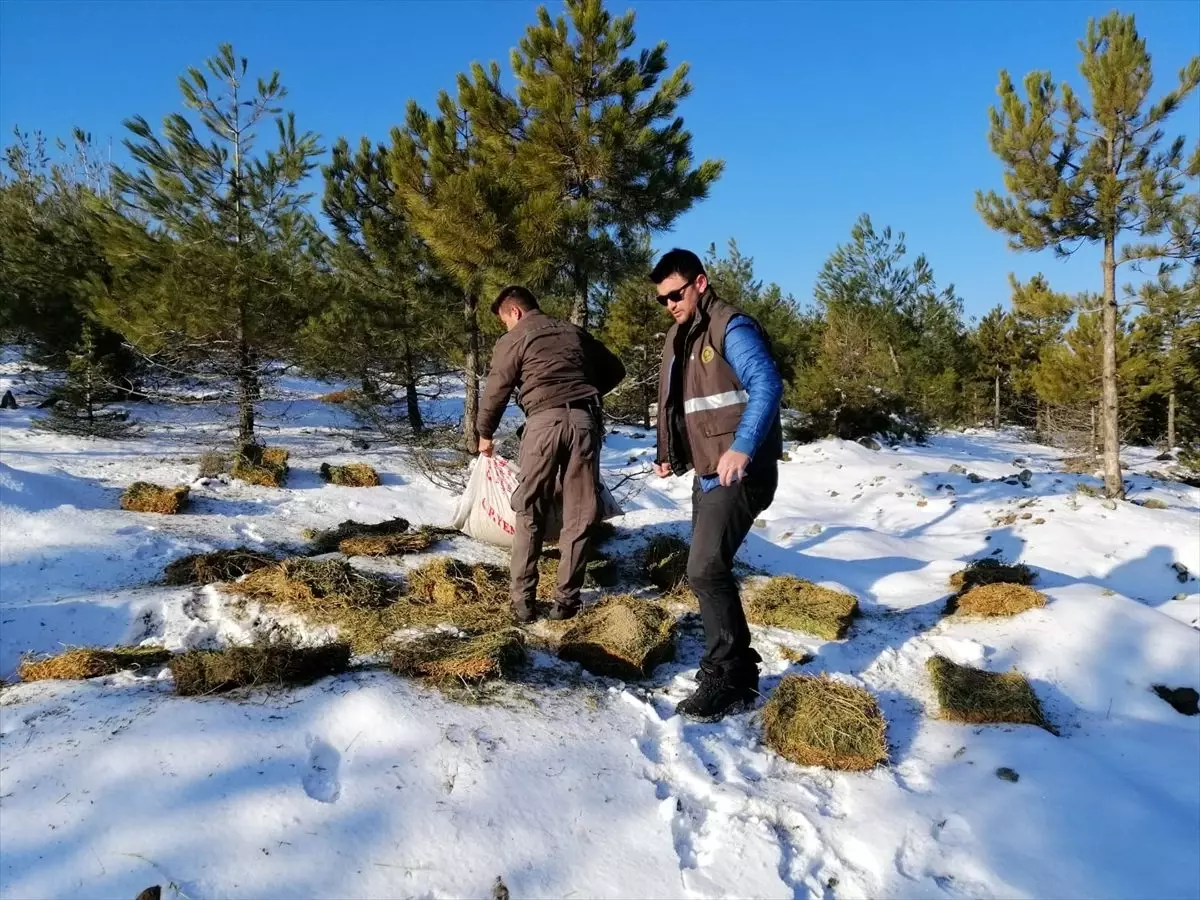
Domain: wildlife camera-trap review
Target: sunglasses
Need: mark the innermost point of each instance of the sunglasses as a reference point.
(676, 295)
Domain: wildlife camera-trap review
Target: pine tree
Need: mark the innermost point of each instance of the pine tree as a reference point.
(996, 343)
(1167, 333)
(214, 277)
(599, 133)
(634, 329)
(81, 403)
(387, 320)
(456, 187)
(1040, 316)
(1075, 175)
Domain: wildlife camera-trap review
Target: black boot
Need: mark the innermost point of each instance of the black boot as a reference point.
(525, 612)
(560, 611)
(720, 694)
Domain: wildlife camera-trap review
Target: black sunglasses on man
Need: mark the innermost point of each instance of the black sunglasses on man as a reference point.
(676, 295)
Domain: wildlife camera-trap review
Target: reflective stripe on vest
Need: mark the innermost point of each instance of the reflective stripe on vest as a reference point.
(715, 401)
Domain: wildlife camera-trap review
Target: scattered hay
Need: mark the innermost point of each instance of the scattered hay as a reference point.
(993, 600)
(368, 609)
(443, 656)
(328, 540)
(664, 562)
(973, 695)
(213, 464)
(142, 496)
(600, 571)
(621, 636)
(816, 721)
(388, 544)
(269, 665)
(220, 565)
(789, 602)
(798, 657)
(352, 475)
(266, 466)
(449, 582)
(85, 662)
(990, 570)
(346, 395)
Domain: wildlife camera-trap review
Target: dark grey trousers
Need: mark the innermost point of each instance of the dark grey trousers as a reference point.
(558, 446)
(721, 519)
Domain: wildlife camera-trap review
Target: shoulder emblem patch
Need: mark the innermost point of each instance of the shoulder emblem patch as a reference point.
(707, 355)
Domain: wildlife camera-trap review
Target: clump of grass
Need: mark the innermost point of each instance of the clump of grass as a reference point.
(266, 466)
(792, 655)
(1087, 490)
(267, 665)
(352, 475)
(329, 539)
(388, 544)
(1079, 465)
(600, 571)
(142, 496)
(367, 609)
(448, 582)
(789, 602)
(213, 464)
(816, 721)
(621, 636)
(220, 565)
(990, 570)
(996, 600)
(87, 662)
(664, 562)
(973, 695)
(442, 656)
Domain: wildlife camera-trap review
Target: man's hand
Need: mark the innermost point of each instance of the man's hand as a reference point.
(662, 470)
(486, 446)
(731, 467)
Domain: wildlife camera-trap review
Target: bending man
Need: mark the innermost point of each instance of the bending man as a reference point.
(560, 372)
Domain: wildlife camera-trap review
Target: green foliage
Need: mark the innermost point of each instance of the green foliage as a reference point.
(635, 327)
(91, 378)
(213, 251)
(600, 137)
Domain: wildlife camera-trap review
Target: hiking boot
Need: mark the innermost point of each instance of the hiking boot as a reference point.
(560, 611)
(717, 696)
(525, 613)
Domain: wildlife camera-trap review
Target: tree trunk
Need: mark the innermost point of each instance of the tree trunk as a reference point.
(579, 304)
(247, 381)
(415, 422)
(1113, 485)
(1171, 419)
(996, 413)
(1094, 447)
(471, 412)
(1038, 424)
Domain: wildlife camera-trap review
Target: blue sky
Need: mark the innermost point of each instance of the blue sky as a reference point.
(821, 111)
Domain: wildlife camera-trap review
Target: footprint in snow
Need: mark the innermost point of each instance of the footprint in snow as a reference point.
(321, 777)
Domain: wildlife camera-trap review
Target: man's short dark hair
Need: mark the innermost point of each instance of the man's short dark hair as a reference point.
(520, 297)
(677, 262)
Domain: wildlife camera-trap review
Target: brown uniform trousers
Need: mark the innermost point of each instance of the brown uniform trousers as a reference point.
(561, 446)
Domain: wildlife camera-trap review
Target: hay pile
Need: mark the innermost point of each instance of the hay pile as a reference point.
(621, 636)
(790, 602)
(821, 722)
(973, 695)
(352, 475)
(600, 571)
(346, 395)
(270, 665)
(368, 609)
(990, 570)
(442, 656)
(390, 538)
(993, 600)
(85, 662)
(664, 562)
(328, 540)
(220, 565)
(452, 582)
(142, 496)
(266, 466)
(213, 464)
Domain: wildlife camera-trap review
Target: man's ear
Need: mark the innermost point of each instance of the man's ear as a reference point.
(702, 282)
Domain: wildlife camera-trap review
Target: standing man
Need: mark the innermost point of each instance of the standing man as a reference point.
(560, 372)
(718, 401)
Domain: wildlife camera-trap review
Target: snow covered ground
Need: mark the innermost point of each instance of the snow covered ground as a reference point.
(565, 785)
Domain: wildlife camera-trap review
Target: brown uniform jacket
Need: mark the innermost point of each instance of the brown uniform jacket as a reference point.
(550, 363)
(701, 405)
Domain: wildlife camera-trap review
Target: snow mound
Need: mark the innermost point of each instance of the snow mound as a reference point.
(43, 488)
